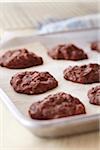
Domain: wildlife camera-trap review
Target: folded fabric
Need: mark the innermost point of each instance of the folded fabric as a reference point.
(83, 22)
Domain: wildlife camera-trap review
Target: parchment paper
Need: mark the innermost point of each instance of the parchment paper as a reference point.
(55, 67)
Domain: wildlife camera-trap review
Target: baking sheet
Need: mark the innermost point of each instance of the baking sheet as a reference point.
(55, 67)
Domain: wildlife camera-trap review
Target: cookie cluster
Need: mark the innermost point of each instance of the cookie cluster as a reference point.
(61, 104)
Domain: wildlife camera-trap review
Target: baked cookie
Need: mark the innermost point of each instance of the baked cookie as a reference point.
(95, 46)
(20, 59)
(67, 52)
(33, 82)
(84, 74)
(56, 106)
(94, 95)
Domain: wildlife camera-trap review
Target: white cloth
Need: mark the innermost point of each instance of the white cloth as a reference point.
(84, 22)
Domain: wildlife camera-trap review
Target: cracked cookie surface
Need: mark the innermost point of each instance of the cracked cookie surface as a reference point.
(84, 74)
(94, 95)
(95, 46)
(67, 52)
(20, 59)
(33, 82)
(55, 106)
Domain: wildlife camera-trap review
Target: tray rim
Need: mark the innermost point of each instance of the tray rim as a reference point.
(37, 123)
(37, 36)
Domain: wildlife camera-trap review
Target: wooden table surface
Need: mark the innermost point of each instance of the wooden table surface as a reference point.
(33, 14)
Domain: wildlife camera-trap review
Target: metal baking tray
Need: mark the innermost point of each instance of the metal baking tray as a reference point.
(19, 104)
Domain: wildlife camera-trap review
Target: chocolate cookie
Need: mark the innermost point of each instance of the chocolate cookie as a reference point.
(19, 59)
(84, 74)
(56, 106)
(33, 82)
(95, 46)
(67, 52)
(94, 95)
